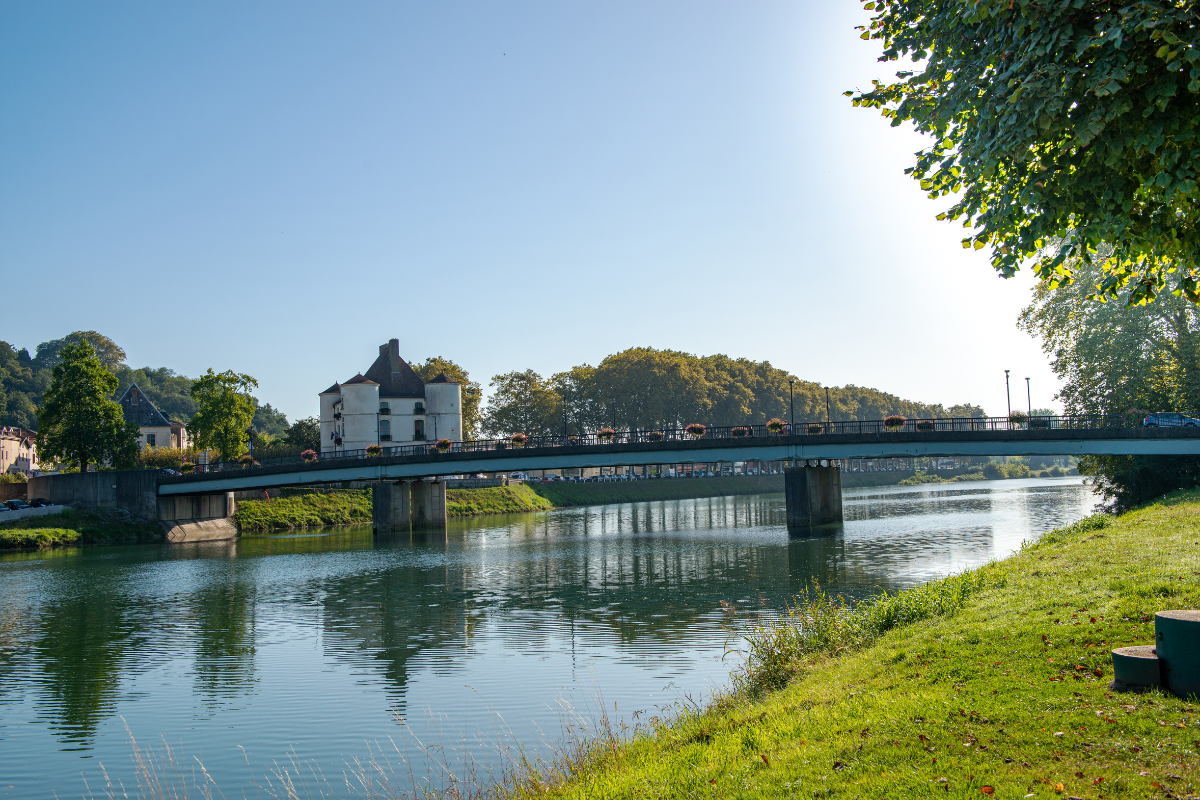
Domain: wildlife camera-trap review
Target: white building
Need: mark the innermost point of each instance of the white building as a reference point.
(390, 405)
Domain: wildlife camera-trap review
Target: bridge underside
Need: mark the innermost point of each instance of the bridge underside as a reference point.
(618, 456)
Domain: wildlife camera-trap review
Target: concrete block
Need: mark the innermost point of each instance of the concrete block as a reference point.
(429, 505)
(391, 508)
(813, 495)
(1177, 641)
(1136, 666)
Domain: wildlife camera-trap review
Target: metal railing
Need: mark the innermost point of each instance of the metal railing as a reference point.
(743, 432)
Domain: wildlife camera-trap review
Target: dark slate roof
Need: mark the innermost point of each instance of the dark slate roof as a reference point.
(139, 410)
(358, 379)
(393, 374)
(335, 389)
(441, 378)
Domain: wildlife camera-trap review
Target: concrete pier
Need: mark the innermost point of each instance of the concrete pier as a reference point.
(813, 495)
(429, 505)
(391, 506)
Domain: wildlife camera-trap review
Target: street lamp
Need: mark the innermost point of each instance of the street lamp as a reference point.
(791, 405)
(1028, 398)
(1007, 393)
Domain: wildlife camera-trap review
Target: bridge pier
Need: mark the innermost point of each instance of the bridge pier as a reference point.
(813, 496)
(429, 505)
(391, 509)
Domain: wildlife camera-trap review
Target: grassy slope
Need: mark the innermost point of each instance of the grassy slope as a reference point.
(304, 511)
(999, 694)
(584, 494)
(77, 527)
(511, 499)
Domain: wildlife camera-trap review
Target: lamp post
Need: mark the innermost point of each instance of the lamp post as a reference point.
(791, 405)
(1007, 393)
(826, 406)
(613, 400)
(1028, 398)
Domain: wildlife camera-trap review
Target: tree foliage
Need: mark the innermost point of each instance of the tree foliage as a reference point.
(1067, 125)
(224, 412)
(79, 421)
(1115, 359)
(655, 389)
(472, 393)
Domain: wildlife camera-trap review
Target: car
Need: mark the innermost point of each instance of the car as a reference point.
(39, 502)
(166, 471)
(1169, 419)
(16, 505)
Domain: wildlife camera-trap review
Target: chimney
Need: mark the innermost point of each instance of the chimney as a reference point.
(393, 347)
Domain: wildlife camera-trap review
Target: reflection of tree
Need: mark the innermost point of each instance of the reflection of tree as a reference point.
(223, 620)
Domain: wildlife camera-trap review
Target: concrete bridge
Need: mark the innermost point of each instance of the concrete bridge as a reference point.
(412, 494)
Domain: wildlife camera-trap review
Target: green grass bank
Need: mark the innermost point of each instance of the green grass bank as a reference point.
(74, 527)
(991, 683)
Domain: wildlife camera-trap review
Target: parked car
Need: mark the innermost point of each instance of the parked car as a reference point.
(166, 471)
(16, 505)
(39, 502)
(1169, 419)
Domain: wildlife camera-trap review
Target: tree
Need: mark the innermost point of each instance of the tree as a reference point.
(1115, 359)
(305, 434)
(472, 393)
(109, 352)
(652, 388)
(523, 402)
(585, 412)
(224, 411)
(268, 419)
(1066, 125)
(79, 419)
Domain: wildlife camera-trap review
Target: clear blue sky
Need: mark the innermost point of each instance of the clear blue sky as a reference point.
(279, 188)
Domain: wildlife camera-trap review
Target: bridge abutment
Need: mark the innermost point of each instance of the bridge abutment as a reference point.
(813, 496)
(429, 505)
(391, 507)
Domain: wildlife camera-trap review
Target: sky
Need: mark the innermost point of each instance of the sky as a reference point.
(279, 188)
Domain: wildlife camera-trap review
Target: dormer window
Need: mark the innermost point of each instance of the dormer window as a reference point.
(384, 408)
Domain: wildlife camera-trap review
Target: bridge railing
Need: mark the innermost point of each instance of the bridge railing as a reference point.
(744, 432)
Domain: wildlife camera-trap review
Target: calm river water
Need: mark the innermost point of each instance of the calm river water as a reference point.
(324, 648)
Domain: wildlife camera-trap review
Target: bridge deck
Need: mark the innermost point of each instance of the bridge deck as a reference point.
(904, 444)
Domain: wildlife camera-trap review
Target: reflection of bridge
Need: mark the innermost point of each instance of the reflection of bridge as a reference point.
(813, 484)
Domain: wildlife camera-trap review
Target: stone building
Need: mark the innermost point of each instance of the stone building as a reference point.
(154, 429)
(18, 450)
(389, 405)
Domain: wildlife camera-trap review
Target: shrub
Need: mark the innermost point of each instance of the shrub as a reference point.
(814, 428)
(655, 436)
(309, 456)
(186, 467)
(13, 477)
(776, 425)
(443, 445)
(696, 430)
(993, 471)
(374, 450)
(740, 433)
(245, 459)
(925, 425)
(1057, 472)
(894, 422)
(605, 434)
(1014, 470)
(165, 457)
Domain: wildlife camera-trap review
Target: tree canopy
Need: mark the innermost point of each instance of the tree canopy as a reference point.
(224, 412)
(79, 420)
(655, 389)
(1070, 128)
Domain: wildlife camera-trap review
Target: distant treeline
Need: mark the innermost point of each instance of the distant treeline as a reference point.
(644, 388)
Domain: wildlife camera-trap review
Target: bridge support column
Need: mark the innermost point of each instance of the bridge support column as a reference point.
(391, 510)
(813, 496)
(429, 505)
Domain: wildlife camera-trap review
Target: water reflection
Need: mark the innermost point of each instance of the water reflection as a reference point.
(322, 642)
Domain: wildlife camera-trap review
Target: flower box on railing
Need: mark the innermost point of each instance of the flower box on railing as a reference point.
(1039, 422)
(443, 445)
(572, 440)
(309, 456)
(895, 422)
(696, 430)
(374, 450)
(925, 425)
(814, 428)
(1018, 418)
(518, 439)
(655, 436)
(740, 432)
(776, 425)
(605, 434)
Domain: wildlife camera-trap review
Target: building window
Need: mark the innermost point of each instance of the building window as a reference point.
(384, 408)
(385, 430)
(149, 440)
(418, 407)
(419, 429)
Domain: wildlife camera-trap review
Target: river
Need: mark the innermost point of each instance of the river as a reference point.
(318, 649)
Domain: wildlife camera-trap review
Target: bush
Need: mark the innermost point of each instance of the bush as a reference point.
(1016, 470)
(1057, 471)
(166, 457)
(993, 471)
(13, 477)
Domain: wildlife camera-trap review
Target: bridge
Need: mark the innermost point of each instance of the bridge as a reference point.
(412, 494)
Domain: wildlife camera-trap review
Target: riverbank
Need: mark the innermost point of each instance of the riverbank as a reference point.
(75, 527)
(992, 682)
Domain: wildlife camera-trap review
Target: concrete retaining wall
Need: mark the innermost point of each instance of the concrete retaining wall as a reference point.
(196, 506)
(9, 516)
(131, 489)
